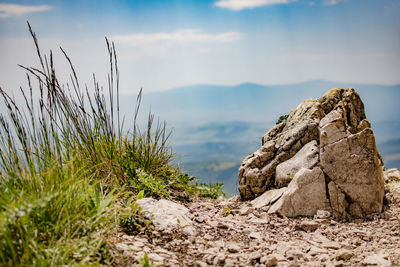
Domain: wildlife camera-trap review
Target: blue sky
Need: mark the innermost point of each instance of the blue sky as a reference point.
(165, 44)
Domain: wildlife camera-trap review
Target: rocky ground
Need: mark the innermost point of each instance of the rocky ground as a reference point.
(232, 233)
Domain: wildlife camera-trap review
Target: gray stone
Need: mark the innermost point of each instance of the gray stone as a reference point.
(377, 260)
(304, 196)
(269, 260)
(308, 226)
(322, 214)
(330, 140)
(233, 248)
(167, 215)
(200, 264)
(307, 157)
(344, 254)
(268, 198)
(255, 235)
(246, 210)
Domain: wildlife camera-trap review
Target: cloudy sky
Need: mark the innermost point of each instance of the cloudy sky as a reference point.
(169, 43)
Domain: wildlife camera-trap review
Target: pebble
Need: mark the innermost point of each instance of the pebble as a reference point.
(344, 254)
(155, 257)
(255, 235)
(233, 248)
(245, 211)
(376, 259)
(307, 226)
(269, 260)
(200, 264)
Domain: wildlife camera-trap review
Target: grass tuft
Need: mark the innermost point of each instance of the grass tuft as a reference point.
(68, 177)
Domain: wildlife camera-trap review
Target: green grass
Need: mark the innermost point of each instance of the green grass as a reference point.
(68, 177)
(282, 118)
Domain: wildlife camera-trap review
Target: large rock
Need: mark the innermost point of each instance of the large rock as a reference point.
(305, 195)
(326, 156)
(167, 215)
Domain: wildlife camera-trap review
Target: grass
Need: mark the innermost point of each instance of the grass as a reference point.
(282, 118)
(69, 178)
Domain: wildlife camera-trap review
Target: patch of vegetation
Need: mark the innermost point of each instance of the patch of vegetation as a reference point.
(225, 212)
(282, 118)
(209, 190)
(146, 262)
(69, 178)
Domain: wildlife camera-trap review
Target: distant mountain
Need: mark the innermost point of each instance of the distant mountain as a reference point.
(200, 104)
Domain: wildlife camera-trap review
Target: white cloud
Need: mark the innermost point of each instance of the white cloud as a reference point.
(333, 2)
(177, 37)
(14, 10)
(237, 5)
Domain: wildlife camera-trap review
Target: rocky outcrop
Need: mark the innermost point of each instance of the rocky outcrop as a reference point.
(323, 157)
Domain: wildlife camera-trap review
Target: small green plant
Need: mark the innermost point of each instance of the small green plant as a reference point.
(290, 176)
(146, 262)
(210, 190)
(225, 212)
(282, 118)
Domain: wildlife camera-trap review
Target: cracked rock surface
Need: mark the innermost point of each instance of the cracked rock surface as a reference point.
(324, 157)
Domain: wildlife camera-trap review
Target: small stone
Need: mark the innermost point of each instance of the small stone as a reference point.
(246, 211)
(155, 257)
(376, 259)
(344, 254)
(323, 257)
(233, 248)
(331, 245)
(323, 221)
(221, 225)
(235, 198)
(255, 255)
(294, 254)
(230, 263)
(255, 235)
(322, 214)
(199, 220)
(307, 226)
(200, 264)
(316, 251)
(219, 259)
(269, 260)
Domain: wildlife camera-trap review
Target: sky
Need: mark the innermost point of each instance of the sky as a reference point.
(172, 43)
